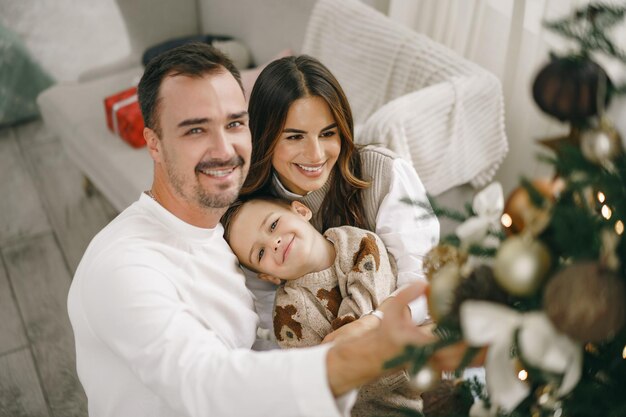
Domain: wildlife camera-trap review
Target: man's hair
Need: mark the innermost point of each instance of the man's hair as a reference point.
(231, 213)
(191, 60)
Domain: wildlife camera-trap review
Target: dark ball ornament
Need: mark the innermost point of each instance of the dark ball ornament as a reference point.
(586, 302)
(567, 88)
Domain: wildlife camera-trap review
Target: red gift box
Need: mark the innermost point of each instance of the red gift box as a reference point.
(124, 117)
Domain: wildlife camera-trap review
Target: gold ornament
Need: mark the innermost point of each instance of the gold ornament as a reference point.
(586, 302)
(522, 213)
(521, 264)
(440, 255)
(440, 292)
(601, 145)
(426, 378)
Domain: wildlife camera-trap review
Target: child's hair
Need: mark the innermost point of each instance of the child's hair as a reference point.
(231, 213)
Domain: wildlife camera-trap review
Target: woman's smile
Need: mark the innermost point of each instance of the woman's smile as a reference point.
(311, 169)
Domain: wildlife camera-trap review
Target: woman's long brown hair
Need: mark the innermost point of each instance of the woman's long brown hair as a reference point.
(280, 84)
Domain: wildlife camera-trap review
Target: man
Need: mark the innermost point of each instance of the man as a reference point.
(162, 319)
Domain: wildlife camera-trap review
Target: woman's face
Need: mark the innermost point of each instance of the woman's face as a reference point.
(308, 147)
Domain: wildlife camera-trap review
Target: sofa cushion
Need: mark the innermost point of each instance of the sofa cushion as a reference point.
(21, 79)
(249, 76)
(75, 113)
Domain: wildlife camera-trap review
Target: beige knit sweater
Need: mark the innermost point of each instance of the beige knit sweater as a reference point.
(312, 306)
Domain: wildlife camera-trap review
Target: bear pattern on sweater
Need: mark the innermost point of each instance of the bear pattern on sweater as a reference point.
(332, 299)
(286, 328)
(368, 256)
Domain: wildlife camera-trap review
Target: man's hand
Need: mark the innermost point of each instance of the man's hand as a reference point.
(360, 358)
(449, 358)
(356, 360)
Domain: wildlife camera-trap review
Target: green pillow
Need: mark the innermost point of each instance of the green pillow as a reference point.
(21, 80)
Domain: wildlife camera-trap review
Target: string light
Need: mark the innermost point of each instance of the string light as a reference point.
(601, 197)
(624, 353)
(619, 227)
(606, 212)
(506, 220)
(523, 375)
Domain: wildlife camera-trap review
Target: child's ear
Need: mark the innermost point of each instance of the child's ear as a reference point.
(301, 209)
(269, 278)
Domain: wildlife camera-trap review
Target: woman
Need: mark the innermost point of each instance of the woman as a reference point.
(303, 149)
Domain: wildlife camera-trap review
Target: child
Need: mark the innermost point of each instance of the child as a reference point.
(329, 280)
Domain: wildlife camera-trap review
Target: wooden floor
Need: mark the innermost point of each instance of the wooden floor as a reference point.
(46, 222)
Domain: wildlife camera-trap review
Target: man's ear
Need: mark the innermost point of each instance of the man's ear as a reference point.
(301, 209)
(153, 142)
(269, 278)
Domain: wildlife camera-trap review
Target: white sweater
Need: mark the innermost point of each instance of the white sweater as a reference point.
(163, 325)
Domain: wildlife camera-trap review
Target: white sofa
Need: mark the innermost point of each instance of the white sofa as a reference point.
(75, 111)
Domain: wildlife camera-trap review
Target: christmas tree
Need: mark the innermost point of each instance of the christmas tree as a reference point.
(539, 280)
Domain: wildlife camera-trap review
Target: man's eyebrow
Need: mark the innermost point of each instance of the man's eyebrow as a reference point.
(260, 228)
(237, 115)
(192, 122)
(204, 120)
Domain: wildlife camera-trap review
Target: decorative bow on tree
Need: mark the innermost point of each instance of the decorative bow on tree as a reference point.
(514, 338)
(487, 205)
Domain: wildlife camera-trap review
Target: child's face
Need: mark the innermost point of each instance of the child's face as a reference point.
(275, 239)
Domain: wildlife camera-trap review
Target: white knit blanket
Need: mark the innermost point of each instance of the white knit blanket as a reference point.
(412, 95)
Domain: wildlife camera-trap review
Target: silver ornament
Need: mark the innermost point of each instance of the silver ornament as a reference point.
(521, 265)
(600, 145)
(426, 378)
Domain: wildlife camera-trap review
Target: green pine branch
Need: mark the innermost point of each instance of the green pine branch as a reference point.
(436, 209)
(588, 26)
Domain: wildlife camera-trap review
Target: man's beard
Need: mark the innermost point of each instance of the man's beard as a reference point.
(207, 199)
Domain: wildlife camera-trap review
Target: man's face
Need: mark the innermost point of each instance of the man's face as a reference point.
(275, 239)
(204, 149)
